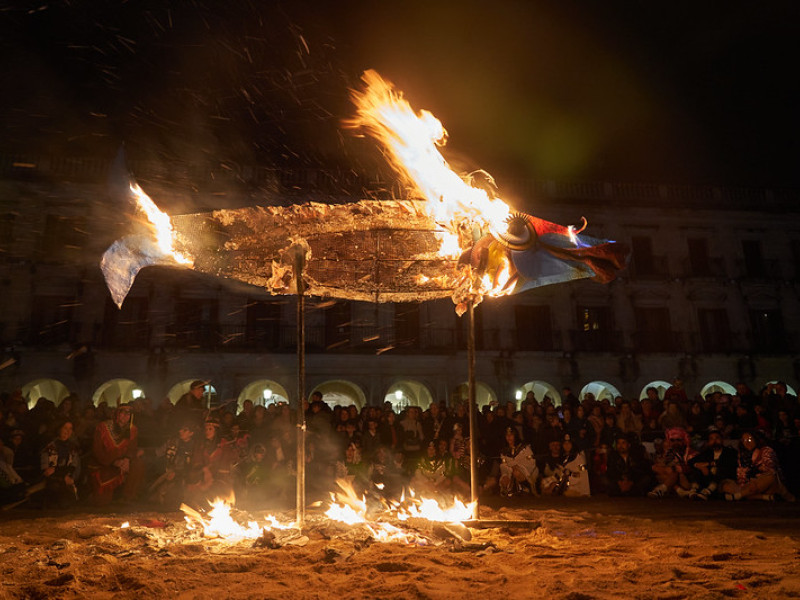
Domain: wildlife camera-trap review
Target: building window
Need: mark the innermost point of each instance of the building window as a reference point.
(126, 327)
(753, 259)
(534, 327)
(768, 332)
(406, 324)
(595, 329)
(263, 328)
(715, 330)
(51, 320)
(338, 323)
(653, 330)
(195, 323)
(699, 261)
(63, 239)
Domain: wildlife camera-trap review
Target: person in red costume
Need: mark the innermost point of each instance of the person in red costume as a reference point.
(115, 460)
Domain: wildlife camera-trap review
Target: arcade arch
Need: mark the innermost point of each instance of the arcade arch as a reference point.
(179, 389)
(341, 392)
(601, 390)
(51, 389)
(484, 395)
(264, 392)
(717, 386)
(540, 389)
(408, 393)
(117, 391)
(660, 385)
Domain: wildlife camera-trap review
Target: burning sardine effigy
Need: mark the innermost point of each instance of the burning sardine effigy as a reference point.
(458, 240)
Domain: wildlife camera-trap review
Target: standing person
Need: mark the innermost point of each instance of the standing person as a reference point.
(61, 468)
(115, 461)
(712, 468)
(412, 434)
(181, 465)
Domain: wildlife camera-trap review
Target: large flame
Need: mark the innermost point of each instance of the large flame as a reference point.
(162, 225)
(412, 141)
(219, 523)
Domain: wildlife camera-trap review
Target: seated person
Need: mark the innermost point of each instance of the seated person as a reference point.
(759, 476)
(628, 472)
(713, 468)
(672, 469)
(115, 461)
(575, 466)
(61, 468)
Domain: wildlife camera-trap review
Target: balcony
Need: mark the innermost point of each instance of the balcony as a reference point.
(713, 268)
(655, 269)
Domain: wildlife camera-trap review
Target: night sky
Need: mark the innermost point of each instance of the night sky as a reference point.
(654, 91)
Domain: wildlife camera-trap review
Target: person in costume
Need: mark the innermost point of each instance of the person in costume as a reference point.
(758, 474)
(577, 483)
(518, 470)
(115, 461)
(672, 469)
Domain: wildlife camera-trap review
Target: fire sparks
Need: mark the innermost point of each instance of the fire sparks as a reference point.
(164, 232)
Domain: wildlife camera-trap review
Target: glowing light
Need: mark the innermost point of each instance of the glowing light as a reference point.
(518, 395)
(137, 393)
(267, 394)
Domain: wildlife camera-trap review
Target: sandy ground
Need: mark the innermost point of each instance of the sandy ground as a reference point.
(590, 548)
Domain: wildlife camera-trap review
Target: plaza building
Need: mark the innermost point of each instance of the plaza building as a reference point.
(711, 296)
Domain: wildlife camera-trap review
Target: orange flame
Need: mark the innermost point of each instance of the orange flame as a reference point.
(162, 225)
(220, 524)
(412, 141)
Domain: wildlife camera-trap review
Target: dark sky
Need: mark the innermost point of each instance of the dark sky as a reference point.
(651, 91)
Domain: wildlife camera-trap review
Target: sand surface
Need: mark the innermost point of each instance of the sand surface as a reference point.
(581, 550)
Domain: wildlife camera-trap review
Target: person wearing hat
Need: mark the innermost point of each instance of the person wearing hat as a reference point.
(713, 467)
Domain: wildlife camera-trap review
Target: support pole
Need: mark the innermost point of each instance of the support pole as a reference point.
(473, 437)
(299, 264)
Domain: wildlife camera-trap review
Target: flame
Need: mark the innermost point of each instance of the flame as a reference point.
(165, 234)
(347, 507)
(412, 141)
(220, 524)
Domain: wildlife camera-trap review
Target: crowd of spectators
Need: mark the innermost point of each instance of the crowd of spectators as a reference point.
(732, 446)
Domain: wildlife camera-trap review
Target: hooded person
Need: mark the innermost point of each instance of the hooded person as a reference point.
(115, 461)
(577, 482)
(713, 467)
(518, 469)
(672, 469)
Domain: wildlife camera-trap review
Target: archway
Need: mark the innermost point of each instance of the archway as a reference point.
(50, 389)
(601, 390)
(789, 389)
(483, 394)
(408, 393)
(660, 385)
(717, 386)
(540, 389)
(179, 389)
(264, 392)
(117, 391)
(342, 393)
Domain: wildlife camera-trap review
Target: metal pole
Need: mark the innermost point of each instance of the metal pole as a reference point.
(299, 263)
(473, 438)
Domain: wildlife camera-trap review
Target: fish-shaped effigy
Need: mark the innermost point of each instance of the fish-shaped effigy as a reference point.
(460, 241)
